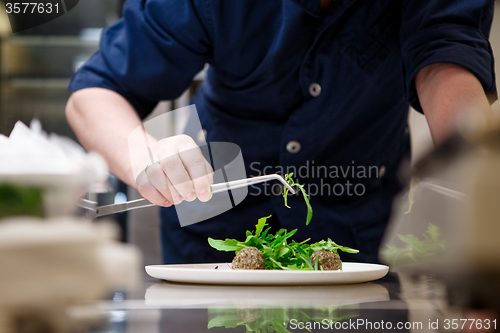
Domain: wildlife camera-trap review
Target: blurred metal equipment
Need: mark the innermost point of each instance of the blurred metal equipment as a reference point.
(36, 65)
(449, 223)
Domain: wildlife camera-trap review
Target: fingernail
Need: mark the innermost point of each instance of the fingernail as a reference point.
(203, 194)
(191, 196)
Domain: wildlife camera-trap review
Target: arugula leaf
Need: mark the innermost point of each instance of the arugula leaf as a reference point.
(331, 246)
(316, 263)
(265, 233)
(260, 225)
(278, 252)
(225, 321)
(226, 245)
(289, 180)
(308, 204)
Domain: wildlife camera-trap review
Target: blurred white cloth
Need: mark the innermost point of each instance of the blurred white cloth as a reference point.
(30, 150)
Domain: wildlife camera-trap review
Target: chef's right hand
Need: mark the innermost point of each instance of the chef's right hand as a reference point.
(180, 173)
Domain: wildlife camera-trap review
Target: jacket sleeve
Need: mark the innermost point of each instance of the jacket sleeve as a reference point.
(444, 31)
(151, 54)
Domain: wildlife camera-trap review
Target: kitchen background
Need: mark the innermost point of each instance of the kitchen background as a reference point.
(36, 66)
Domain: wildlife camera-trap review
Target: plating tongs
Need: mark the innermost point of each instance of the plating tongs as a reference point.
(215, 188)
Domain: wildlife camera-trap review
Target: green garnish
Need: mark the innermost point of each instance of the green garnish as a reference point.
(269, 319)
(18, 200)
(278, 252)
(415, 249)
(289, 180)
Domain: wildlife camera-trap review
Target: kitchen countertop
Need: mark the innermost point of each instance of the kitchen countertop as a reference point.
(398, 302)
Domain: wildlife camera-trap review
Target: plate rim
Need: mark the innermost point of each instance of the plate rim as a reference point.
(259, 271)
(317, 277)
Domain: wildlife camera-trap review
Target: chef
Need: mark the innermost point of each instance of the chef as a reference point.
(322, 84)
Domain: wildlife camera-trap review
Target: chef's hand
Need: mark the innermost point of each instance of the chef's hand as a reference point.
(180, 173)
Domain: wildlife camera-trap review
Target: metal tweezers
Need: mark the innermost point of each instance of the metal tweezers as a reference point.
(142, 203)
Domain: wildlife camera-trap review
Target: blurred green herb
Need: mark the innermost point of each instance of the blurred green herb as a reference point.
(411, 200)
(411, 193)
(415, 249)
(18, 200)
(268, 320)
(289, 180)
(278, 251)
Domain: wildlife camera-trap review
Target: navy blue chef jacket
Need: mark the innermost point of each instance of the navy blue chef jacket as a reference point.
(339, 83)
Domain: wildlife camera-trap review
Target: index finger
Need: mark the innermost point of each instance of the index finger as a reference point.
(198, 168)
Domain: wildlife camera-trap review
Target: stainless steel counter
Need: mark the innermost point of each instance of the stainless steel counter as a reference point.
(395, 303)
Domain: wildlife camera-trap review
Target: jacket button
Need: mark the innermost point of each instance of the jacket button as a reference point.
(277, 189)
(293, 147)
(381, 171)
(315, 89)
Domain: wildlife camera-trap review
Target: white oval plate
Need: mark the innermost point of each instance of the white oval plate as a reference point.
(207, 274)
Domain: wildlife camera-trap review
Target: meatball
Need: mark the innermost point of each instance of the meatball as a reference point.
(329, 261)
(248, 258)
